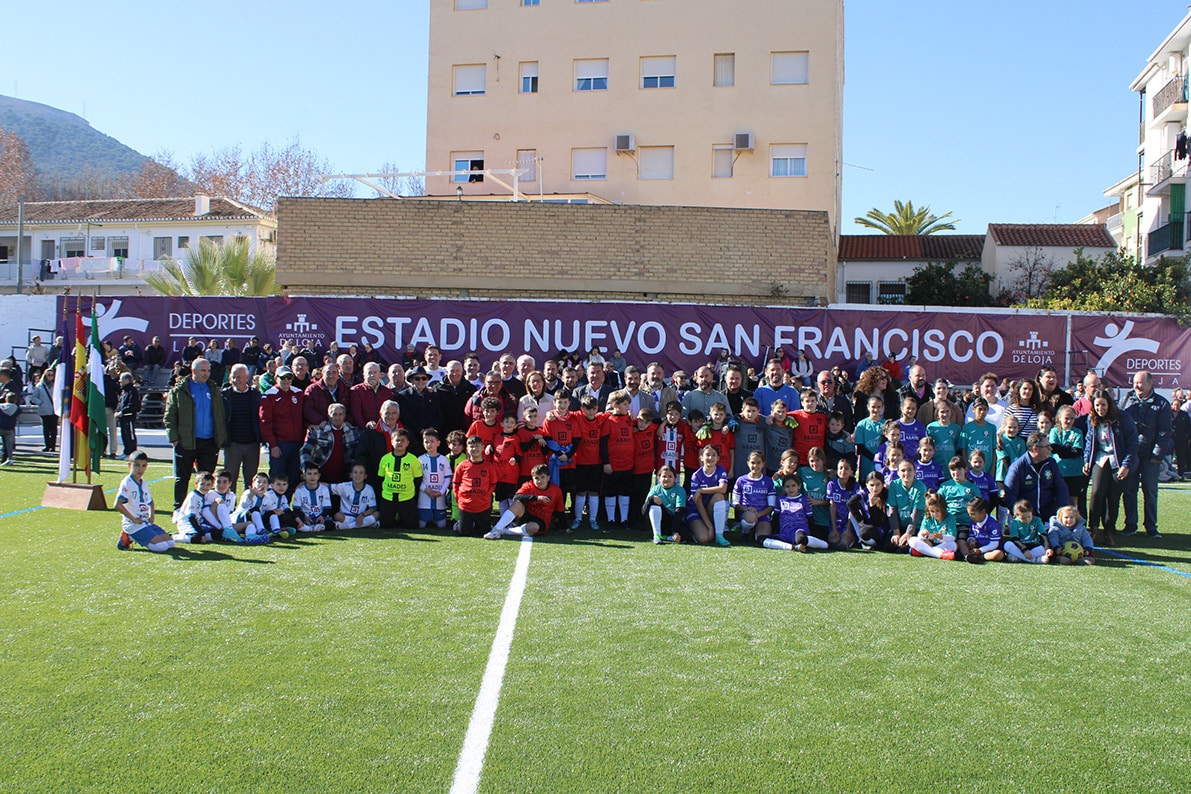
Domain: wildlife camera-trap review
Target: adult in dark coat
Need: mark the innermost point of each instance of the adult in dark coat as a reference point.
(454, 392)
(419, 408)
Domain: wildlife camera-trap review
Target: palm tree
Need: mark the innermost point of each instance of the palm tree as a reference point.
(906, 220)
(218, 269)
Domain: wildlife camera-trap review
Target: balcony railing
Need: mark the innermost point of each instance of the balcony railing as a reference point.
(1167, 167)
(1166, 238)
(1172, 93)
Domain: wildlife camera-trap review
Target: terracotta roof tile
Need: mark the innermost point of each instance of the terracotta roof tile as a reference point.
(923, 248)
(1052, 235)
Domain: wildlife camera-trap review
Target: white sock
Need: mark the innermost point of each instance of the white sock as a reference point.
(925, 549)
(506, 518)
(164, 545)
(593, 507)
(274, 522)
(719, 516)
(225, 518)
(774, 543)
(610, 508)
(623, 501)
(747, 526)
(512, 531)
(371, 521)
(1037, 554)
(655, 520)
(815, 543)
(258, 524)
(348, 522)
(1016, 553)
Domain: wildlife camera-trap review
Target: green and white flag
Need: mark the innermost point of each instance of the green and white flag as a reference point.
(96, 404)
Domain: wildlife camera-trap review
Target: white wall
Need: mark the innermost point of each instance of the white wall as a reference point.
(19, 313)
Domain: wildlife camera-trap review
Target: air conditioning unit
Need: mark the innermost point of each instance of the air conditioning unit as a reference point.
(743, 142)
(626, 143)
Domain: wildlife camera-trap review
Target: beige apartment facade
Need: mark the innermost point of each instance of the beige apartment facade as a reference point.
(715, 103)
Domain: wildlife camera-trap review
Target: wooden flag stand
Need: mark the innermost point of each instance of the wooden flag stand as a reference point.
(74, 496)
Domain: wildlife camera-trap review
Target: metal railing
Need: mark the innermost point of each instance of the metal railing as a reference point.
(1166, 238)
(1172, 93)
(1166, 167)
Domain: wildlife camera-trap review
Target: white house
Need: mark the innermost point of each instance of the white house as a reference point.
(873, 268)
(1010, 246)
(114, 242)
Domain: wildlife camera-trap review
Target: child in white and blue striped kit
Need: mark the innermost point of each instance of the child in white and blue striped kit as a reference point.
(193, 525)
(252, 513)
(135, 505)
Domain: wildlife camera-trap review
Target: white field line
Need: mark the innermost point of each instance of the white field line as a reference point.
(479, 729)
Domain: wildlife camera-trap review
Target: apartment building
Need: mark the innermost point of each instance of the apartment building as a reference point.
(715, 103)
(1162, 147)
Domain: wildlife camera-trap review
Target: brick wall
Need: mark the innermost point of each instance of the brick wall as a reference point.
(450, 249)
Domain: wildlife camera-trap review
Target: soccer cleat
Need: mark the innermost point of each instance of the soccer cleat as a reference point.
(1155, 535)
(947, 555)
(257, 540)
(915, 552)
(657, 540)
(123, 543)
(593, 525)
(802, 547)
(231, 536)
(493, 535)
(721, 541)
(577, 523)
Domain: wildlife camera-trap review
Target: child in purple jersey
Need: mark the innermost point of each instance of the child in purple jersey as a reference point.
(793, 519)
(927, 469)
(754, 496)
(983, 541)
(870, 514)
(892, 433)
(982, 479)
(892, 461)
(840, 491)
(707, 508)
(913, 431)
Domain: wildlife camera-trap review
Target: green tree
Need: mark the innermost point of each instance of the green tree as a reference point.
(948, 284)
(210, 269)
(1117, 282)
(905, 219)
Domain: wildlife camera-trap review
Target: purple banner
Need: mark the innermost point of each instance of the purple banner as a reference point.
(1118, 347)
(957, 345)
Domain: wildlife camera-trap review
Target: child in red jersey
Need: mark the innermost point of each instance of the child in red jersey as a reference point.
(617, 454)
(507, 457)
(644, 463)
(716, 433)
(589, 427)
(488, 428)
(559, 431)
(812, 425)
(474, 485)
(533, 508)
(533, 445)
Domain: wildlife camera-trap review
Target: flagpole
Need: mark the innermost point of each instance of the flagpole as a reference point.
(61, 377)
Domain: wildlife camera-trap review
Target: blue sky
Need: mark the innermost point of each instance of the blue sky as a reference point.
(1013, 112)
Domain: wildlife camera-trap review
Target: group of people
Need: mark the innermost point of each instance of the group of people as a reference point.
(915, 466)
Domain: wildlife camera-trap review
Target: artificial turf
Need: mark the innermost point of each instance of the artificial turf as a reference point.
(351, 661)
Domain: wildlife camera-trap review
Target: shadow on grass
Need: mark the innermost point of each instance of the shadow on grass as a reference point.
(207, 554)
